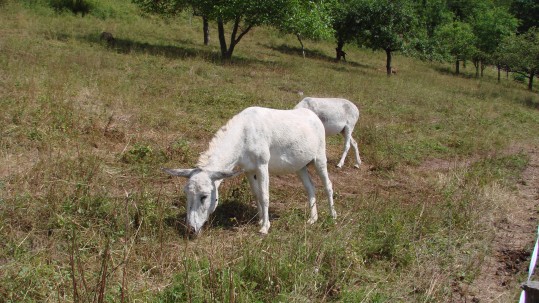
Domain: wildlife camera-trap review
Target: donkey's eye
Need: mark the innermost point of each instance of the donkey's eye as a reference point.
(202, 199)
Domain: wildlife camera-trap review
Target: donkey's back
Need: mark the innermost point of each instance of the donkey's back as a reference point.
(335, 113)
(285, 139)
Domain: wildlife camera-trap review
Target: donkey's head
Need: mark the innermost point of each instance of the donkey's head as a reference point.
(202, 193)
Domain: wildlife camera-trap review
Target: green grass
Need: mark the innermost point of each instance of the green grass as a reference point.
(86, 127)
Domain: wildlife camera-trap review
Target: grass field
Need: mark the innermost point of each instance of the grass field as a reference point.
(87, 215)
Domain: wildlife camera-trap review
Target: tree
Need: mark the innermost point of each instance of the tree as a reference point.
(171, 8)
(387, 25)
(242, 15)
(307, 19)
(431, 14)
(490, 27)
(347, 24)
(521, 54)
(457, 42)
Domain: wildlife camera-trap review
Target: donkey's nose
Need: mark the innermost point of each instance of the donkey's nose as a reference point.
(193, 231)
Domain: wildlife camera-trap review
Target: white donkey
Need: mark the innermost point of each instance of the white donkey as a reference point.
(338, 116)
(259, 141)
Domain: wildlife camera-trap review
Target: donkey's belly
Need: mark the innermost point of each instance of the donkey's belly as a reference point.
(333, 127)
(288, 162)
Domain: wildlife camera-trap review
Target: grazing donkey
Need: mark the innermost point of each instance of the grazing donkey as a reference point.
(338, 116)
(258, 141)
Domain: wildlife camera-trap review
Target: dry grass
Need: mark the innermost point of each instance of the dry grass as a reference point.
(86, 215)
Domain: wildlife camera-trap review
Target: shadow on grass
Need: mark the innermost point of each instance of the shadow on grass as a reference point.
(530, 103)
(127, 46)
(311, 54)
(228, 216)
(186, 50)
(234, 214)
(449, 72)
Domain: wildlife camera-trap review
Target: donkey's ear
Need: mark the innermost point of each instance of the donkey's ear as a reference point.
(218, 175)
(179, 172)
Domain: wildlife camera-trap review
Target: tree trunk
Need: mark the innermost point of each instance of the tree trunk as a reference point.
(226, 53)
(302, 47)
(530, 82)
(206, 30)
(476, 64)
(499, 72)
(338, 50)
(233, 39)
(457, 67)
(483, 66)
(222, 40)
(388, 61)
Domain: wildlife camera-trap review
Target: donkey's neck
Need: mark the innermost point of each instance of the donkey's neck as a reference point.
(225, 149)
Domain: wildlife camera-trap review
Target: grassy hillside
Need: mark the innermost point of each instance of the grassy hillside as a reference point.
(86, 214)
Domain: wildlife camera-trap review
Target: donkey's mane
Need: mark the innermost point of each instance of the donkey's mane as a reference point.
(217, 142)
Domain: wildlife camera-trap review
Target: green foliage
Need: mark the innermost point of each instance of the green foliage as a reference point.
(490, 27)
(347, 20)
(168, 8)
(388, 25)
(456, 40)
(307, 19)
(464, 11)
(431, 14)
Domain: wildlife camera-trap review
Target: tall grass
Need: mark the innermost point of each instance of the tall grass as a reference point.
(86, 215)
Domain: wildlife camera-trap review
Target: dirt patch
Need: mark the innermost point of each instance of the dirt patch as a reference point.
(504, 268)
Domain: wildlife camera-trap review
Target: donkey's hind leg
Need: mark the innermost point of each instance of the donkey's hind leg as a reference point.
(347, 134)
(358, 158)
(321, 169)
(303, 174)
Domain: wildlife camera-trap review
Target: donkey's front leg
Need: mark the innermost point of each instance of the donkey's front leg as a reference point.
(263, 185)
(321, 169)
(255, 189)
